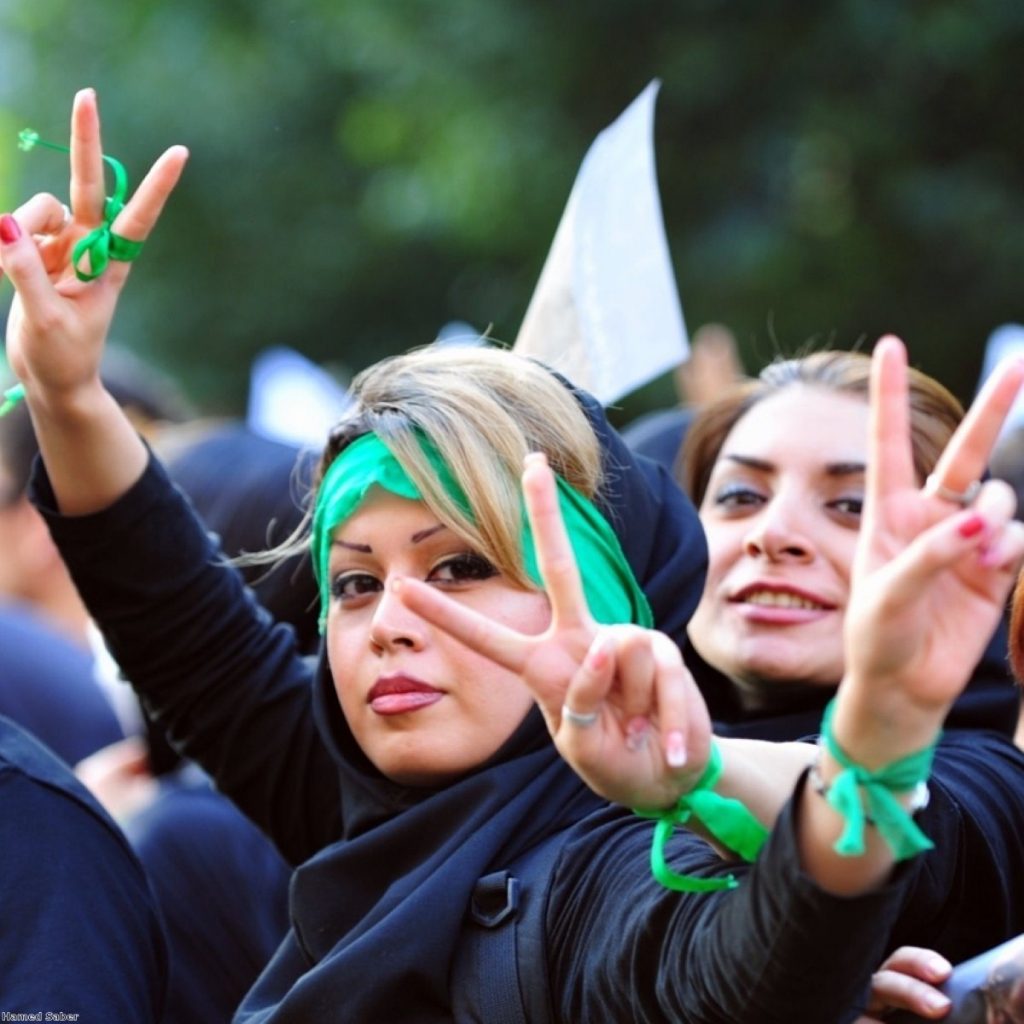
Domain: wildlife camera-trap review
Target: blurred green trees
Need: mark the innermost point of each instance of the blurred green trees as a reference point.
(364, 170)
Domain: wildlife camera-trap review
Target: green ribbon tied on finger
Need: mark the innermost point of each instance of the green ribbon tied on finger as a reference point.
(102, 244)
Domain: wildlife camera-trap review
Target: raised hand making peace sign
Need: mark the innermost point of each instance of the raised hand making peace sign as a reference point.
(58, 322)
(932, 570)
(608, 693)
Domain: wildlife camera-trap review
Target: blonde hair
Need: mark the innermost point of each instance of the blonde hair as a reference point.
(935, 413)
(483, 409)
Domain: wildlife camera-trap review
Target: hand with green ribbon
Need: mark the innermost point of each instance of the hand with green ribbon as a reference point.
(68, 272)
(932, 570)
(95, 250)
(619, 702)
(931, 574)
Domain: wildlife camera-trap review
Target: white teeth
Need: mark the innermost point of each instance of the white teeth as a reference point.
(775, 599)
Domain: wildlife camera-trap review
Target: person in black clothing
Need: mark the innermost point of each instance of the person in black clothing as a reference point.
(766, 642)
(413, 769)
(81, 933)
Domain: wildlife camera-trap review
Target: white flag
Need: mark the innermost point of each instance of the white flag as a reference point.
(606, 312)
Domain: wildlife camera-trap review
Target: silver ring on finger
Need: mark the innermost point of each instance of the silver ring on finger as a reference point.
(582, 721)
(962, 498)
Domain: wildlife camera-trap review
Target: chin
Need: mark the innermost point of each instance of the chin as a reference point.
(416, 764)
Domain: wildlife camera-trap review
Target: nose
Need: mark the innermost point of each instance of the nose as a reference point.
(778, 532)
(394, 626)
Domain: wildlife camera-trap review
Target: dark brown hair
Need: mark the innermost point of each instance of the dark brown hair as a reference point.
(934, 411)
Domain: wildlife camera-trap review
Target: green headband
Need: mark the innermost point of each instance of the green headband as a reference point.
(612, 592)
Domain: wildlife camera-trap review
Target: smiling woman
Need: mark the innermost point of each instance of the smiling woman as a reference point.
(776, 466)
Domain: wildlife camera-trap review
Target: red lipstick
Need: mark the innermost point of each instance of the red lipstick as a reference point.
(400, 694)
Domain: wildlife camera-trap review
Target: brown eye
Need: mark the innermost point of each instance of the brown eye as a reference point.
(462, 568)
(734, 496)
(352, 585)
(851, 506)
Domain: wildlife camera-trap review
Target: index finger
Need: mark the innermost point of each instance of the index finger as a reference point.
(890, 460)
(555, 556)
(88, 189)
(479, 633)
(969, 449)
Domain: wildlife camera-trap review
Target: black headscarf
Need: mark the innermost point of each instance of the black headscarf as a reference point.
(377, 916)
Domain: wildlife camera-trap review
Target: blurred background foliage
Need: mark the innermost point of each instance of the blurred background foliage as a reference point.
(364, 171)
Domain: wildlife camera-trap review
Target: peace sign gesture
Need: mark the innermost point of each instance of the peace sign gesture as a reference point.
(932, 570)
(58, 323)
(607, 692)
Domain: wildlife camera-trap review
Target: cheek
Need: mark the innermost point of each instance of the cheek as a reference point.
(344, 649)
(528, 613)
(725, 547)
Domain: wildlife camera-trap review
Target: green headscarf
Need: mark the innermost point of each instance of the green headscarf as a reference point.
(612, 592)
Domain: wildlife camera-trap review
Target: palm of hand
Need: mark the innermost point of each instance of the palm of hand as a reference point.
(902, 632)
(930, 577)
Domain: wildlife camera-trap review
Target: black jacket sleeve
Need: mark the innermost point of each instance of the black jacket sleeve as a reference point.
(969, 894)
(775, 950)
(225, 682)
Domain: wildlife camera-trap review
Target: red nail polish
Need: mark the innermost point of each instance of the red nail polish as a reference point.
(971, 527)
(9, 230)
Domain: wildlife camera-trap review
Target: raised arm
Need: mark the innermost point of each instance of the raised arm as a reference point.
(931, 576)
(58, 324)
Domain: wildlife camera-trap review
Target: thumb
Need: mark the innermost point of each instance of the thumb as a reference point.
(24, 266)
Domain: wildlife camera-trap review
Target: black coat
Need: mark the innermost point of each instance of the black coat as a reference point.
(378, 904)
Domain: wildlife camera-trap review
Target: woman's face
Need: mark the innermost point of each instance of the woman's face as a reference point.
(781, 514)
(423, 707)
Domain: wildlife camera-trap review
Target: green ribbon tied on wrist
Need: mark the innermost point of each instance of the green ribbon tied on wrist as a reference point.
(727, 819)
(102, 244)
(862, 797)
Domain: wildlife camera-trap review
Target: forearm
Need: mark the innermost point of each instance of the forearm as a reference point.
(92, 453)
(761, 774)
(229, 687)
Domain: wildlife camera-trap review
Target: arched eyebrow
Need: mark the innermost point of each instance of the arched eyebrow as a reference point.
(830, 468)
(416, 538)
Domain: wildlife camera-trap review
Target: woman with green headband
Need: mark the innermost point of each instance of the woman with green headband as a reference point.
(449, 864)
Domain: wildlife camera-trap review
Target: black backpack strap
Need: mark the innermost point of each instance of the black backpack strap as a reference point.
(500, 974)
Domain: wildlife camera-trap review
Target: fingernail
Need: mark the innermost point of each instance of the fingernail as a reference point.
(597, 656)
(637, 731)
(535, 459)
(936, 1000)
(9, 230)
(972, 526)
(675, 749)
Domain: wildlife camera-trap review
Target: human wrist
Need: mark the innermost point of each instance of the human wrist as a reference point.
(68, 405)
(886, 796)
(875, 727)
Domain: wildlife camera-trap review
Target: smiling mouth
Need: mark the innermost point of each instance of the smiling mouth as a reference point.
(781, 599)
